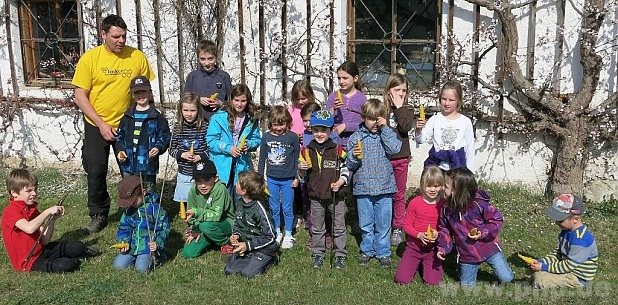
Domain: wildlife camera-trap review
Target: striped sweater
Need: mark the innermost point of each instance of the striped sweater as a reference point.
(577, 253)
(182, 140)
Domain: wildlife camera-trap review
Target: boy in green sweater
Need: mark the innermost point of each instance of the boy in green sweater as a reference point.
(210, 212)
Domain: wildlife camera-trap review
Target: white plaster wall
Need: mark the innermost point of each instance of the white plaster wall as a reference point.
(503, 159)
(570, 67)
(546, 44)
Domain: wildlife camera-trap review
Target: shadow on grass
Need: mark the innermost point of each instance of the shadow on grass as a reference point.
(174, 244)
(77, 234)
(517, 262)
(450, 266)
(400, 249)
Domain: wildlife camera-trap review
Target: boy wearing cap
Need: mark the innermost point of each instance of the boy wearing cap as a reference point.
(143, 134)
(326, 176)
(576, 259)
(26, 232)
(144, 226)
(210, 212)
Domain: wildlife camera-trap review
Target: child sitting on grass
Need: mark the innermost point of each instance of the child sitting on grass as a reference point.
(253, 237)
(210, 212)
(144, 226)
(575, 262)
(26, 232)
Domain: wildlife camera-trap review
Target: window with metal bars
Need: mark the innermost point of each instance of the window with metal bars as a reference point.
(51, 40)
(389, 36)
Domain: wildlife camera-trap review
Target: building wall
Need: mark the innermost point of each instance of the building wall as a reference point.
(46, 135)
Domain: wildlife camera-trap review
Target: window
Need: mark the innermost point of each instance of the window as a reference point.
(388, 36)
(50, 40)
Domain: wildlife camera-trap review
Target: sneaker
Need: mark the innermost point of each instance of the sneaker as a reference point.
(288, 242)
(385, 261)
(97, 223)
(92, 251)
(363, 259)
(317, 261)
(279, 238)
(396, 237)
(340, 262)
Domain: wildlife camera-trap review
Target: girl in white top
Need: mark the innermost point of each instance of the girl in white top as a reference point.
(450, 131)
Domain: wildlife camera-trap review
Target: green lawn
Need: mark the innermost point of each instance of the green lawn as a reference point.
(293, 281)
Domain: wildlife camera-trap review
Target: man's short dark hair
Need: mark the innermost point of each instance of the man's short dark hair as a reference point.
(113, 20)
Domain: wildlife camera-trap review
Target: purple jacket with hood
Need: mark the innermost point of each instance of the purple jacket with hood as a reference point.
(455, 226)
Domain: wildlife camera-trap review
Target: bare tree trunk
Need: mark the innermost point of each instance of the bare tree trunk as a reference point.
(572, 158)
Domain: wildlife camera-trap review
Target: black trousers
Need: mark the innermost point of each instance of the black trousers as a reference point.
(249, 265)
(58, 257)
(95, 155)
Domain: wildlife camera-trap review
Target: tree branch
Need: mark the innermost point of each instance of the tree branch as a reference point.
(591, 61)
(509, 44)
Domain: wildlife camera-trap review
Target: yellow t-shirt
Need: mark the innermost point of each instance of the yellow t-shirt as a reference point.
(107, 76)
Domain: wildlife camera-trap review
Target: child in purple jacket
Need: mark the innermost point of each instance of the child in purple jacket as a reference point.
(473, 224)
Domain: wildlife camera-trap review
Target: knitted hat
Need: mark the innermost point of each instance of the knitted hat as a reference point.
(564, 206)
(322, 118)
(129, 191)
(204, 170)
(140, 83)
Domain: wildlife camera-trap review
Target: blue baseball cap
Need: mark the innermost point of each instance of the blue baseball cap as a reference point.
(322, 118)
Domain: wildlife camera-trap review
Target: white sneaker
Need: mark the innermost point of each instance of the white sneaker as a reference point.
(279, 238)
(288, 242)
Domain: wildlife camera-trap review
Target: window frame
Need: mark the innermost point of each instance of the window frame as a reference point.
(394, 42)
(29, 43)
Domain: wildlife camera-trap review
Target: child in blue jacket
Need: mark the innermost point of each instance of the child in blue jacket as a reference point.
(143, 134)
(144, 226)
(232, 134)
(369, 149)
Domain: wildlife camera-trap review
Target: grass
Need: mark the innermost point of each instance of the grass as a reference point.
(293, 281)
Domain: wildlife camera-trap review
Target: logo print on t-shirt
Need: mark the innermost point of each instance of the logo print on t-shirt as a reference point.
(124, 73)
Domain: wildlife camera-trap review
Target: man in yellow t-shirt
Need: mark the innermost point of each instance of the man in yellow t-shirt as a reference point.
(102, 78)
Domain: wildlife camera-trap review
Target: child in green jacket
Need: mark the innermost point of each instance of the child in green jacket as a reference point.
(210, 211)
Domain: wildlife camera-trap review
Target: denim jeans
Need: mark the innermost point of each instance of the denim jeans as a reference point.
(142, 262)
(281, 196)
(498, 264)
(374, 218)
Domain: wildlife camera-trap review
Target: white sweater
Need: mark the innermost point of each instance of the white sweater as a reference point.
(450, 135)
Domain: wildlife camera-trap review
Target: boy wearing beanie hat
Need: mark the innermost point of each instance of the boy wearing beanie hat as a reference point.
(575, 261)
(210, 212)
(326, 176)
(144, 226)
